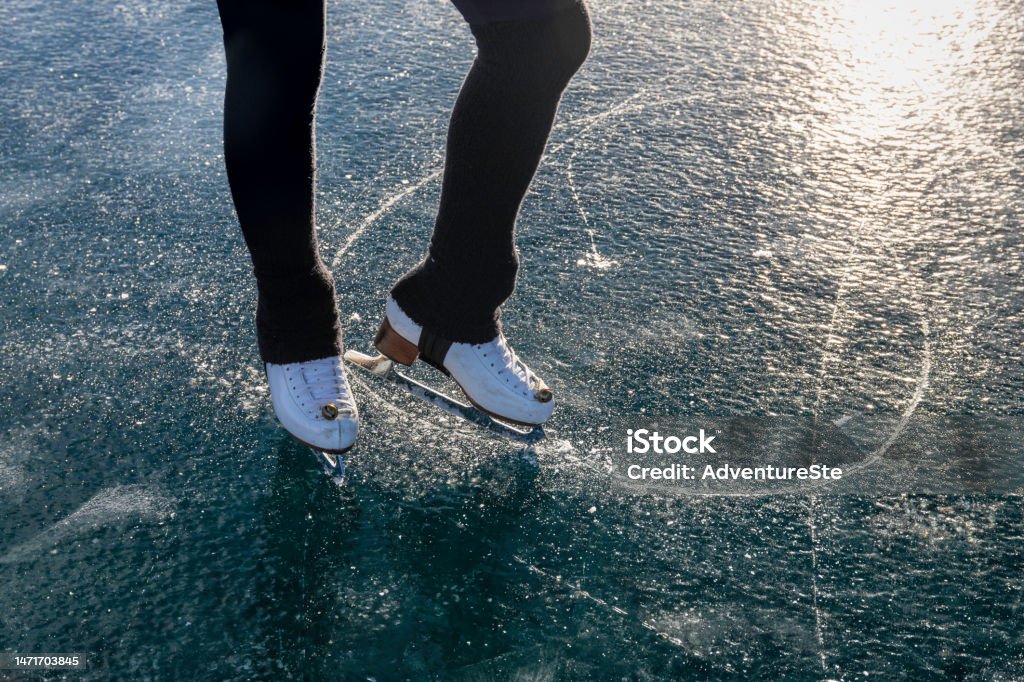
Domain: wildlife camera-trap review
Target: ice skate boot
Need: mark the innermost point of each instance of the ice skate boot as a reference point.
(491, 375)
(314, 403)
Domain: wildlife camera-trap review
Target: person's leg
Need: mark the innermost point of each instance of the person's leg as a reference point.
(274, 57)
(528, 50)
(275, 52)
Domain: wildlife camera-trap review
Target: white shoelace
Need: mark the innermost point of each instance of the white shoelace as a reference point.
(325, 379)
(517, 366)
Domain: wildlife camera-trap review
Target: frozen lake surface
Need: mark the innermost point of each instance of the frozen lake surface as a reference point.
(791, 208)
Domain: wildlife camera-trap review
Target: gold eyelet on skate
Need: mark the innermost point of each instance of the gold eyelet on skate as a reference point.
(329, 411)
(544, 395)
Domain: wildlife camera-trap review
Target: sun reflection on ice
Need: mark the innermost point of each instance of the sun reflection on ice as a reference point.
(897, 64)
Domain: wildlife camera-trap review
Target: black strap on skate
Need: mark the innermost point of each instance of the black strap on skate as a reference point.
(433, 349)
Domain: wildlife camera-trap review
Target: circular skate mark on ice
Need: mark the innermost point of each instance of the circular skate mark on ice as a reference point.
(409, 189)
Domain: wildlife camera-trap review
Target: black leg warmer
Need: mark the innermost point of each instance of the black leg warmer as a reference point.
(274, 56)
(496, 137)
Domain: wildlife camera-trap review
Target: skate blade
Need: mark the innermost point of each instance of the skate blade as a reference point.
(333, 464)
(383, 367)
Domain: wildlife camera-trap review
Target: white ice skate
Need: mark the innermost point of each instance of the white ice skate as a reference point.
(494, 379)
(314, 404)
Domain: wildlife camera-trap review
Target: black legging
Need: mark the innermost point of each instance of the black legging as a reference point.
(528, 50)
